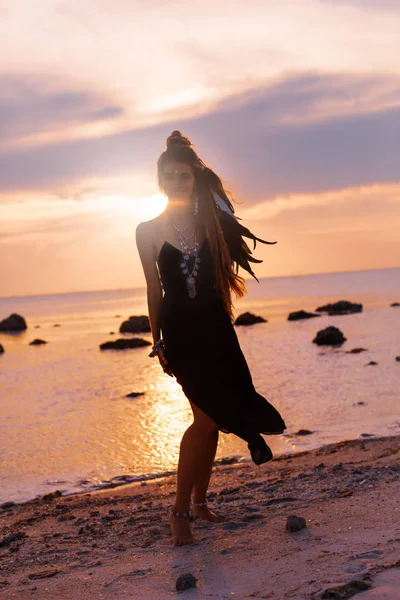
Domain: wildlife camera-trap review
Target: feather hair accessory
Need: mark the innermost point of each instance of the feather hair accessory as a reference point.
(222, 204)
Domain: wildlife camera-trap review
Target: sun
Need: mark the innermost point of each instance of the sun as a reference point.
(137, 207)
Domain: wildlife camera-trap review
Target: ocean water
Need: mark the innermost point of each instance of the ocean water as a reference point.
(65, 420)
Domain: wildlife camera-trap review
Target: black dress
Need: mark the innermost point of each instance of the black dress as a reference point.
(203, 351)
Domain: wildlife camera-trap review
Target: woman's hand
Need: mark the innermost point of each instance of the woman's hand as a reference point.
(163, 361)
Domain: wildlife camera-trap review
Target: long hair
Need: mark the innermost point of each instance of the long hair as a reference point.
(222, 231)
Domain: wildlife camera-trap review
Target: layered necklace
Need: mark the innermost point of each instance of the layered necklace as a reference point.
(190, 248)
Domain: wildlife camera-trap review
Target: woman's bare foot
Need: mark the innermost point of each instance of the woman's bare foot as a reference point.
(203, 512)
(180, 530)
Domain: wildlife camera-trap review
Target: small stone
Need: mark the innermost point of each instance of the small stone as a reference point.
(43, 574)
(12, 537)
(356, 350)
(295, 523)
(185, 582)
(304, 432)
(348, 590)
(397, 358)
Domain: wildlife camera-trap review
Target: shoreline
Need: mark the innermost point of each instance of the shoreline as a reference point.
(115, 543)
(119, 481)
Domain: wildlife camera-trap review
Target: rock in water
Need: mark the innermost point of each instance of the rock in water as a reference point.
(1, 349)
(249, 319)
(343, 307)
(304, 432)
(37, 342)
(13, 323)
(185, 582)
(136, 325)
(356, 350)
(122, 344)
(301, 314)
(295, 523)
(331, 336)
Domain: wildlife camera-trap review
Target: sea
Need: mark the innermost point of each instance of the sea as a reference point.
(67, 423)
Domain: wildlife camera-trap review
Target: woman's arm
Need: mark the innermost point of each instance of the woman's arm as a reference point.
(145, 246)
(147, 253)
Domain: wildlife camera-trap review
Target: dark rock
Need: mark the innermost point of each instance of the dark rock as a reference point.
(337, 467)
(7, 505)
(371, 362)
(51, 496)
(397, 358)
(226, 491)
(359, 404)
(356, 350)
(1, 349)
(301, 314)
(227, 460)
(395, 304)
(295, 523)
(13, 323)
(279, 500)
(249, 319)
(67, 517)
(12, 537)
(37, 326)
(134, 394)
(43, 574)
(364, 435)
(122, 344)
(37, 342)
(185, 582)
(331, 336)
(56, 325)
(303, 432)
(136, 325)
(343, 307)
(348, 590)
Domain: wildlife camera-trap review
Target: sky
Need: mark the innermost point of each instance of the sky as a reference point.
(295, 104)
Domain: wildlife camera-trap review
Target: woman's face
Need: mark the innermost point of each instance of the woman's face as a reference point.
(178, 180)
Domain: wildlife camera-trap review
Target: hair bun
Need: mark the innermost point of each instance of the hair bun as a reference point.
(176, 138)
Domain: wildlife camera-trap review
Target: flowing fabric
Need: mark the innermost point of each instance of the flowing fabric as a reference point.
(202, 347)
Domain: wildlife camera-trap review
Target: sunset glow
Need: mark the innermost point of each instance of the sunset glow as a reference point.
(294, 105)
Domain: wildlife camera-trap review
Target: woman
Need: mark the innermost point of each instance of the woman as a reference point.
(190, 256)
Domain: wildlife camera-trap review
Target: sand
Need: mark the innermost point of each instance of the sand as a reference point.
(115, 543)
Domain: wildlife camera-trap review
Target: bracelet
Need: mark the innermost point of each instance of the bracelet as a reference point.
(156, 348)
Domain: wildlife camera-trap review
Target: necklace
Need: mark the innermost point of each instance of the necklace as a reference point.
(189, 248)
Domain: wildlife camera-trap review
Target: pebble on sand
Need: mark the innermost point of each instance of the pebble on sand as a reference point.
(295, 523)
(185, 582)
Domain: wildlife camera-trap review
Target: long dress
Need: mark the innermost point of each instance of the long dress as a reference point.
(203, 350)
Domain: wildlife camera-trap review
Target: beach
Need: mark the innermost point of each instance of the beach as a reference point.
(115, 543)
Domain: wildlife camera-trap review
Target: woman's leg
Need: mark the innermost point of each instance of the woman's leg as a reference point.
(197, 447)
(204, 471)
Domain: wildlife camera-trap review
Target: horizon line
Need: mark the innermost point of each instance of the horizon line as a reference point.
(144, 287)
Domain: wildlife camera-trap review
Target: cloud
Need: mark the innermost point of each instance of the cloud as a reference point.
(307, 133)
(32, 106)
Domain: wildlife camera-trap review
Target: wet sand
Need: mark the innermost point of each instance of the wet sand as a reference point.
(115, 543)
